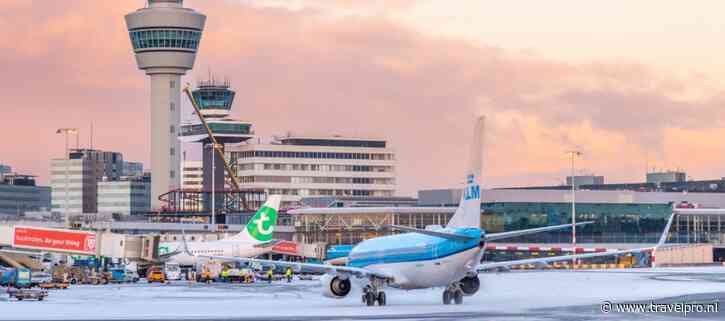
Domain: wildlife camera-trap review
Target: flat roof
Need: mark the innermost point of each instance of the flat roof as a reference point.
(370, 210)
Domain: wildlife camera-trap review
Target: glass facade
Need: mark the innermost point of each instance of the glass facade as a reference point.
(613, 223)
(283, 154)
(217, 128)
(165, 38)
(214, 98)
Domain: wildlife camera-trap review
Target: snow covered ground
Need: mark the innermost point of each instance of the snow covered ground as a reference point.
(540, 295)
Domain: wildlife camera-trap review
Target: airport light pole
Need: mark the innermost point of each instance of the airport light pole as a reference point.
(213, 184)
(573, 154)
(67, 131)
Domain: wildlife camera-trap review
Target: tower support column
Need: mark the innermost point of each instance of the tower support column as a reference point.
(165, 144)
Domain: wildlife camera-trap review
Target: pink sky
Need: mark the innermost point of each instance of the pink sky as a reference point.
(627, 84)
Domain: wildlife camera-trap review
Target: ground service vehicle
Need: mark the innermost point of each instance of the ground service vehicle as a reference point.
(54, 285)
(17, 278)
(156, 275)
(24, 294)
(39, 278)
(132, 276)
(172, 271)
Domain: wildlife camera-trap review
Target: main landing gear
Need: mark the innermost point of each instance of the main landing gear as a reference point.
(453, 293)
(373, 293)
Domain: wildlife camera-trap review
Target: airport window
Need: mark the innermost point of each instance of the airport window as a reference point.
(165, 38)
(172, 107)
(172, 84)
(172, 129)
(172, 151)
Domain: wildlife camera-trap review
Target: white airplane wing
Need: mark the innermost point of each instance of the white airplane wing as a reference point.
(492, 265)
(321, 268)
(506, 235)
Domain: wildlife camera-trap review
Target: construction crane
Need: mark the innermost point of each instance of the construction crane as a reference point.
(214, 143)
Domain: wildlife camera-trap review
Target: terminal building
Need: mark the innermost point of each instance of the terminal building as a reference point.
(622, 219)
(298, 167)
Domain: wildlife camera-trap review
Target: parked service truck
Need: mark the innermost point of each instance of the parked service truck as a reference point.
(17, 278)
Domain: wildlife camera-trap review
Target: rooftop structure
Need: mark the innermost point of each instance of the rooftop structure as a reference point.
(585, 180)
(165, 37)
(666, 177)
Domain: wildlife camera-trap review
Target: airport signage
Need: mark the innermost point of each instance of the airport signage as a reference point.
(286, 247)
(56, 240)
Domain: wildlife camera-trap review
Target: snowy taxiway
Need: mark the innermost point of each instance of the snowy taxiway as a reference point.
(544, 295)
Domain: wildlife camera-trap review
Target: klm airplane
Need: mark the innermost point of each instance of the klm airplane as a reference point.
(425, 258)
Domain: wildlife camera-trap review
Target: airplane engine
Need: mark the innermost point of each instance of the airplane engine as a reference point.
(334, 286)
(470, 285)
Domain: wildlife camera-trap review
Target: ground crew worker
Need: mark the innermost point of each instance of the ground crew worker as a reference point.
(288, 274)
(225, 275)
(270, 274)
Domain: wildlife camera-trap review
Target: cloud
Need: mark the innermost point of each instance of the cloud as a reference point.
(361, 75)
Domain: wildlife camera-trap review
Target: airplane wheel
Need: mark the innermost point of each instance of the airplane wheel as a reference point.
(381, 299)
(446, 297)
(458, 297)
(370, 299)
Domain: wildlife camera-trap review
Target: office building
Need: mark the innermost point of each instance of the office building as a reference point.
(128, 195)
(74, 180)
(132, 169)
(5, 169)
(19, 194)
(580, 180)
(165, 37)
(192, 175)
(111, 163)
(298, 167)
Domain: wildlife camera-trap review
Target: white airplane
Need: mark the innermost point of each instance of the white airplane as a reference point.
(447, 257)
(254, 240)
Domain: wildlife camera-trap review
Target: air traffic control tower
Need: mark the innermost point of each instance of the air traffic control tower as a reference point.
(165, 37)
(215, 99)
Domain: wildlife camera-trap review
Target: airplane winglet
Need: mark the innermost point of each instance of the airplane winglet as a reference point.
(663, 238)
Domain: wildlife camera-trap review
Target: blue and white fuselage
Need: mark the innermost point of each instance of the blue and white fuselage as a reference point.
(417, 261)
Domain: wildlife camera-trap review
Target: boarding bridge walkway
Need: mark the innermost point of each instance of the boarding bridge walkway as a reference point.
(127, 240)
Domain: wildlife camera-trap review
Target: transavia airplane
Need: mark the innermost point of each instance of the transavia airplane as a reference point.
(254, 240)
(434, 257)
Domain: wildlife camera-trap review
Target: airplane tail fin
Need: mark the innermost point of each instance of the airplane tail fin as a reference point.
(259, 229)
(468, 213)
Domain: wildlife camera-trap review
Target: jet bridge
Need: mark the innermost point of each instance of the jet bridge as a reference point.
(79, 242)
